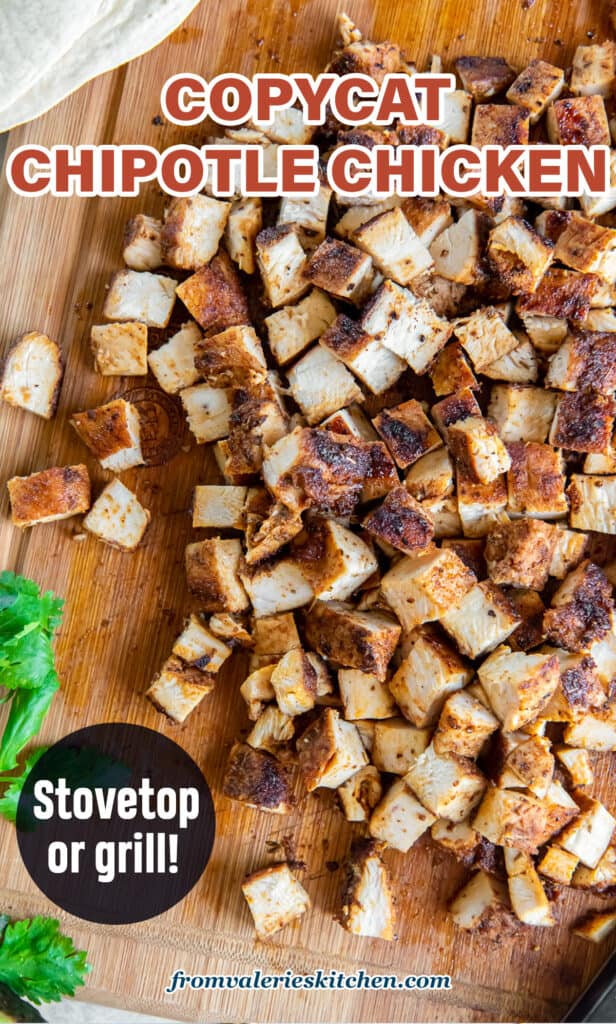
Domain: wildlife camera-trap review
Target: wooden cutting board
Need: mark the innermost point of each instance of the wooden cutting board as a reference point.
(124, 611)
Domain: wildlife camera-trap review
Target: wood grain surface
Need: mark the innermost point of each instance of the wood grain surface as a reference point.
(124, 611)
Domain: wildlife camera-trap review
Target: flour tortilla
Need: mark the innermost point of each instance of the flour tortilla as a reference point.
(70, 49)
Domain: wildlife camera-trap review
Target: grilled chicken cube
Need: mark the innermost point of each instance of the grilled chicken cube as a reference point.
(396, 743)
(593, 70)
(427, 216)
(267, 533)
(545, 332)
(580, 687)
(583, 422)
(519, 686)
(367, 900)
(521, 413)
(596, 927)
(272, 731)
(232, 358)
(330, 751)
(399, 820)
(593, 503)
(475, 444)
(444, 515)
(120, 350)
(407, 432)
(482, 906)
(192, 230)
(291, 329)
(179, 688)
(142, 243)
(596, 731)
(520, 366)
(214, 296)
(112, 434)
(595, 204)
(448, 785)
(117, 517)
(569, 551)
(341, 270)
(140, 295)
(277, 586)
(470, 552)
(401, 522)
(208, 411)
(463, 726)
(360, 794)
(320, 384)
(364, 696)
(198, 646)
(577, 763)
(588, 837)
(601, 465)
(519, 255)
(274, 635)
(354, 639)
(578, 121)
(538, 85)
(457, 251)
(362, 56)
(456, 115)
(484, 77)
(586, 246)
(536, 481)
(31, 375)
(282, 262)
(258, 779)
(212, 574)
(336, 560)
(528, 899)
(511, 818)
(275, 898)
(173, 364)
(561, 294)
(482, 620)
(431, 476)
(558, 865)
(425, 678)
(243, 225)
(294, 682)
(520, 553)
(457, 838)
(257, 691)
(55, 493)
(451, 372)
(308, 215)
(584, 360)
(355, 216)
(581, 609)
(485, 337)
(531, 764)
(287, 128)
(422, 588)
(406, 326)
(500, 125)
(375, 365)
(395, 248)
(480, 506)
(600, 880)
(219, 506)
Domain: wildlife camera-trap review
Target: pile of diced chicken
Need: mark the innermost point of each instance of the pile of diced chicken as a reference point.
(413, 538)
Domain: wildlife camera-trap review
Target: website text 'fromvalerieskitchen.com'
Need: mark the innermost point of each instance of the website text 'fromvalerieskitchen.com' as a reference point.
(317, 980)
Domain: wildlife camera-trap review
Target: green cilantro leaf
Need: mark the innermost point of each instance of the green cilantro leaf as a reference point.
(10, 798)
(38, 962)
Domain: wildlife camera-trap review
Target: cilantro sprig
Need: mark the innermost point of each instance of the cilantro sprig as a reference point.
(40, 963)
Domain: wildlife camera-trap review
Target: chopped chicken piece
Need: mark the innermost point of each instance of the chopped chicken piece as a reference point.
(330, 751)
(219, 506)
(456, 115)
(600, 880)
(512, 819)
(581, 609)
(593, 503)
(480, 506)
(231, 629)
(275, 898)
(291, 329)
(519, 686)
(520, 256)
(112, 434)
(214, 296)
(355, 216)
(457, 251)
(536, 481)
(558, 865)
(243, 225)
(482, 906)
(599, 464)
(120, 349)
(431, 476)
(294, 682)
(453, 408)
(584, 422)
(474, 442)
(471, 553)
(595, 204)
(531, 764)
(376, 60)
(584, 360)
(463, 726)
(31, 375)
(212, 568)
(396, 744)
(427, 675)
(367, 900)
(117, 517)
(366, 356)
(545, 332)
(394, 246)
(364, 696)
(593, 68)
(586, 246)
(282, 262)
(538, 85)
(266, 534)
(336, 560)
(208, 411)
(401, 522)
(568, 553)
(276, 587)
(258, 691)
(232, 358)
(321, 385)
(287, 128)
(142, 243)
(427, 216)
(192, 230)
(354, 639)
(258, 779)
(497, 124)
(577, 763)
(578, 121)
(199, 647)
(485, 337)
(444, 514)
(399, 820)
(450, 786)
(484, 77)
(560, 294)
(340, 269)
(482, 620)
(596, 731)
(179, 688)
(360, 794)
(308, 215)
(588, 837)
(173, 364)
(457, 838)
(520, 366)
(521, 413)
(406, 326)
(55, 493)
(528, 899)
(520, 553)
(422, 588)
(596, 927)
(143, 296)
(450, 371)
(407, 432)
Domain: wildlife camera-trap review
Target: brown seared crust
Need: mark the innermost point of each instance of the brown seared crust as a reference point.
(201, 577)
(581, 685)
(192, 673)
(445, 297)
(345, 338)
(560, 293)
(362, 850)
(366, 58)
(450, 371)
(340, 635)
(587, 617)
(420, 210)
(367, 137)
(223, 362)
(104, 430)
(484, 76)
(498, 125)
(535, 477)
(578, 123)
(332, 470)
(401, 521)
(255, 777)
(595, 353)
(214, 296)
(382, 473)
(584, 422)
(510, 269)
(316, 747)
(458, 406)
(489, 495)
(471, 552)
(407, 432)
(519, 553)
(555, 224)
(422, 135)
(530, 608)
(264, 537)
(58, 491)
(332, 264)
(137, 227)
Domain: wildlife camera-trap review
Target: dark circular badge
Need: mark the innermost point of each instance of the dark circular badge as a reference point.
(115, 823)
(161, 423)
